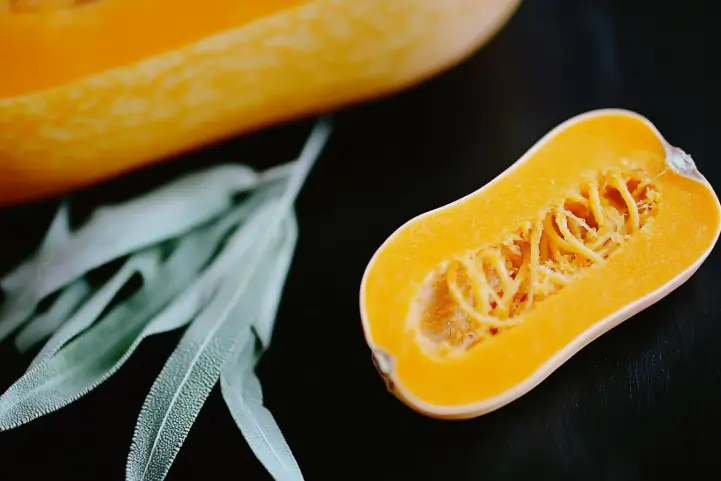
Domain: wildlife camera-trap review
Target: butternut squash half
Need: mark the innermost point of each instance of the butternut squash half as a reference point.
(471, 305)
(90, 89)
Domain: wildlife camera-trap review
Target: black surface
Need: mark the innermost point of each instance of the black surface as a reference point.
(642, 402)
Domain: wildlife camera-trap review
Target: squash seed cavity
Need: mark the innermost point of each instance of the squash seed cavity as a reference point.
(484, 292)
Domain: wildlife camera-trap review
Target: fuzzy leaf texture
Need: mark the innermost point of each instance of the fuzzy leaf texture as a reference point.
(157, 216)
(48, 322)
(190, 373)
(90, 359)
(171, 300)
(145, 263)
(194, 367)
(241, 387)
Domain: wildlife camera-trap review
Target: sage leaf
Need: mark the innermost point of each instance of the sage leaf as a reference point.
(242, 393)
(178, 393)
(192, 370)
(95, 355)
(162, 214)
(45, 324)
(57, 234)
(15, 310)
(145, 263)
(270, 301)
(241, 387)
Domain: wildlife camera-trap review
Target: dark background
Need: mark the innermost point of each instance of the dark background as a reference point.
(642, 402)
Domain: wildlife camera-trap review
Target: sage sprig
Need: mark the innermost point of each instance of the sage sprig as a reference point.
(207, 259)
(241, 387)
(195, 366)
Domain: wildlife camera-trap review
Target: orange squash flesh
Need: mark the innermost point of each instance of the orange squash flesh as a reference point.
(600, 219)
(90, 91)
(67, 42)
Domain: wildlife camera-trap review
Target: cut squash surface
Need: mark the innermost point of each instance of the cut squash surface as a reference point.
(92, 89)
(469, 306)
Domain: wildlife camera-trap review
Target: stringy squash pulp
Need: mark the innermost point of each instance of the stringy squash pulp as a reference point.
(90, 89)
(469, 306)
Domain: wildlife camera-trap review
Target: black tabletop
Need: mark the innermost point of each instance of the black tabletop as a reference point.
(641, 402)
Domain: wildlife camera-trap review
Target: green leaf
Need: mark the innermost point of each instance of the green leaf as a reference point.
(146, 263)
(46, 323)
(270, 301)
(15, 310)
(243, 394)
(94, 356)
(241, 387)
(190, 373)
(58, 234)
(160, 215)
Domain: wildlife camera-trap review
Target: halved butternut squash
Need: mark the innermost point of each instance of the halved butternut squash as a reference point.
(471, 305)
(90, 89)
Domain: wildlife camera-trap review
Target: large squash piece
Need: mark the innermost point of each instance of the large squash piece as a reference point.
(469, 306)
(93, 88)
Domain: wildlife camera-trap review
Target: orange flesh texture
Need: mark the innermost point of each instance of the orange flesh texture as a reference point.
(64, 44)
(103, 88)
(487, 291)
(683, 229)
